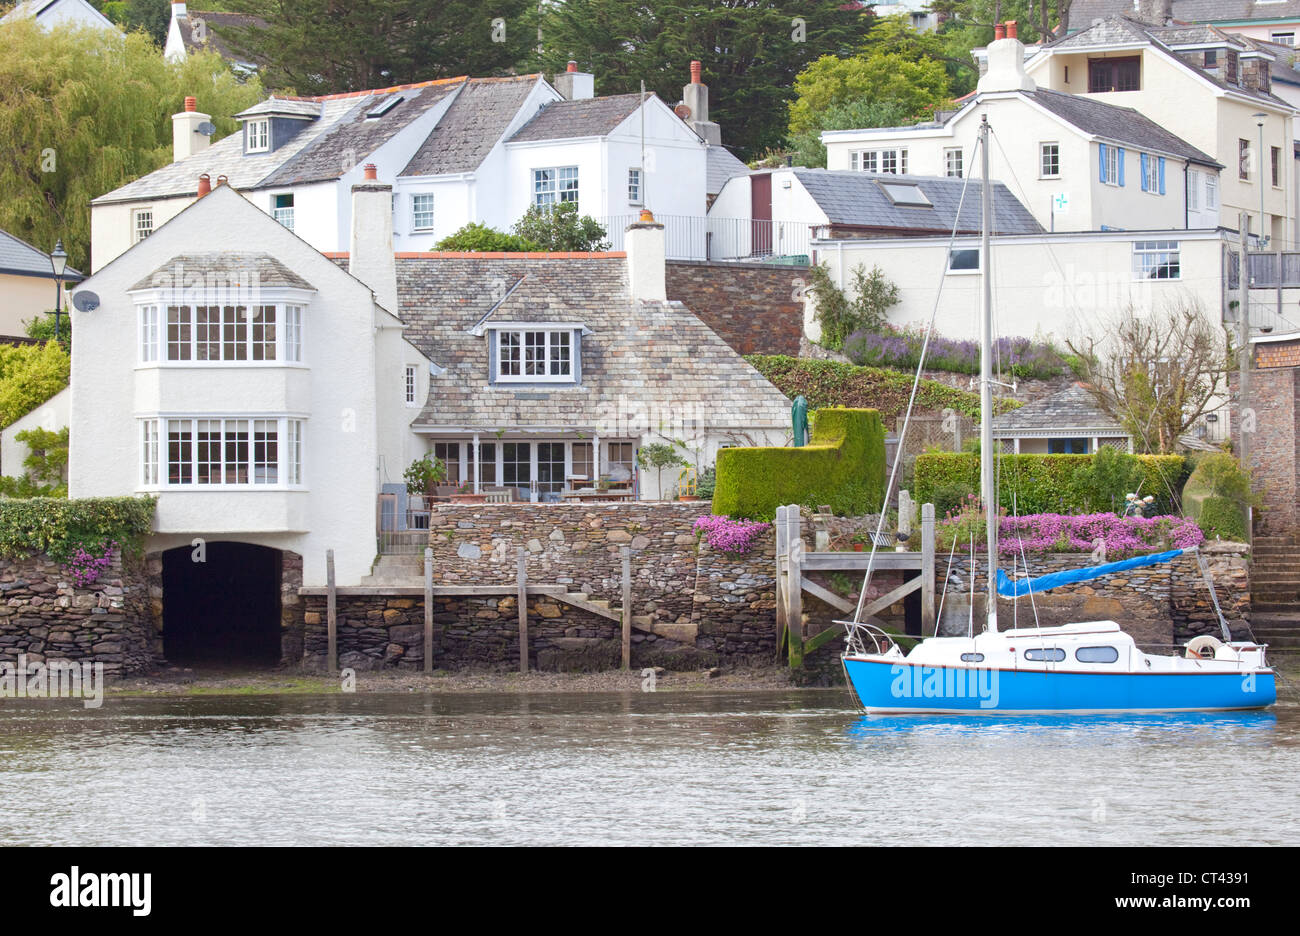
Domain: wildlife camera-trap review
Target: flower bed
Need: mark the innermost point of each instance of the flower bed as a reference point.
(1049, 532)
(1020, 357)
(730, 536)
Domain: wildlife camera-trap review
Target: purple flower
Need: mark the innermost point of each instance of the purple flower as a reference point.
(730, 536)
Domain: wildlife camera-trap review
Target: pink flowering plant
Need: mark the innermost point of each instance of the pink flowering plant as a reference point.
(87, 565)
(1051, 532)
(730, 536)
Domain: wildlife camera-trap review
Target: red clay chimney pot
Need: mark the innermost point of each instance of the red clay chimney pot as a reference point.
(221, 180)
(191, 103)
(573, 66)
(696, 71)
(371, 172)
(205, 184)
(999, 32)
(1011, 29)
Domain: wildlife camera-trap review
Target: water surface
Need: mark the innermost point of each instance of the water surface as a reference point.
(772, 768)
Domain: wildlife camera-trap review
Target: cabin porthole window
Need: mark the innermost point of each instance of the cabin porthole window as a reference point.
(972, 658)
(1045, 654)
(1096, 654)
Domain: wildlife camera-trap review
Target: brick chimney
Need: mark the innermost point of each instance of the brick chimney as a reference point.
(370, 257)
(574, 85)
(696, 96)
(646, 255)
(1006, 63)
(186, 139)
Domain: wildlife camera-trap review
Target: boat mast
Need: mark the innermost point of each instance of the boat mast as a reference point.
(988, 486)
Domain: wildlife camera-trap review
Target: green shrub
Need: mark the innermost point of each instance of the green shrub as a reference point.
(843, 466)
(57, 527)
(950, 498)
(1029, 484)
(707, 482)
(1103, 482)
(1224, 518)
(479, 238)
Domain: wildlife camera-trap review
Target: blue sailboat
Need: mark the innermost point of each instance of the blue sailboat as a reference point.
(1080, 668)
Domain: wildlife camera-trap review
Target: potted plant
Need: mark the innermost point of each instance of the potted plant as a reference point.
(659, 455)
(465, 495)
(423, 473)
(860, 541)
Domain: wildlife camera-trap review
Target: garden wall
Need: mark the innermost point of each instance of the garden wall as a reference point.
(752, 307)
(46, 617)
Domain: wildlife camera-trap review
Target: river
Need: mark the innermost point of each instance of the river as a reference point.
(687, 768)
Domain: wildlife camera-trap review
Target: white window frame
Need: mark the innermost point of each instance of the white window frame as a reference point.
(140, 231)
(875, 160)
(411, 385)
(1211, 192)
(561, 185)
(521, 340)
(634, 187)
(1112, 165)
(209, 337)
(1283, 38)
(953, 158)
(155, 449)
(1150, 254)
(417, 213)
(1151, 174)
(149, 331)
(292, 340)
(257, 136)
(1043, 157)
(948, 269)
(283, 215)
(1193, 190)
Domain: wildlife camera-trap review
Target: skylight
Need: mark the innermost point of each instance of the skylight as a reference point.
(905, 194)
(384, 106)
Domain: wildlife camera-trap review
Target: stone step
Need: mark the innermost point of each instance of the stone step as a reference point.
(1275, 607)
(1274, 619)
(1281, 642)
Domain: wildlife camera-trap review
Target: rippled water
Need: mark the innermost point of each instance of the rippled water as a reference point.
(636, 768)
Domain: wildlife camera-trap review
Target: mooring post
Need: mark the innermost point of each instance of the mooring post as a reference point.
(794, 585)
(523, 613)
(779, 584)
(928, 623)
(627, 607)
(428, 609)
(331, 615)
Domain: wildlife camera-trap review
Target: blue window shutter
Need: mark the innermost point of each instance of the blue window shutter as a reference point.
(1160, 168)
(577, 356)
(1120, 160)
(492, 357)
(1101, 161)
(1143, 158)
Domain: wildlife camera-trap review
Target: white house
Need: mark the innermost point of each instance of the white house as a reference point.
(456, 151)
(52, 13)
(52, 415)
(28, 288)
(1079, 164)
(191, 31)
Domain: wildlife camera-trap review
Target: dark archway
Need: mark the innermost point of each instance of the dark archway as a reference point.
(223, 609)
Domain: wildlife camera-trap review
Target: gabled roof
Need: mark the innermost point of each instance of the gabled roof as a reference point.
(476, 120)
(1121, 124)
(217, 34)
(34, 9)
(857, 199)
(1068, 409)
(656, 355)
(1083, 12)
(261, 270)
(585, 117)
(721, 165)
(19, 258)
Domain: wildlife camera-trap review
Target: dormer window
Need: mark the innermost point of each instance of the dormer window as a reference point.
(257, 136)
(534, 354)
(1114, 74)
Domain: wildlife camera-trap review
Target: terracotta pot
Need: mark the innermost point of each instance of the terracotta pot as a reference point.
(687, 497)
(859, 547)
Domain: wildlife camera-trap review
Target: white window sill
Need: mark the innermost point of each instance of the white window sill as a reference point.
(213, 365)
(182, 488)
(963, 272)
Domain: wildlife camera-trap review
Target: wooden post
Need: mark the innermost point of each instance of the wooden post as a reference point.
(779, 585)
(627, 608)
(523, 613)
(428, 609)
(331, 614)
(794, 586)
(928, 623)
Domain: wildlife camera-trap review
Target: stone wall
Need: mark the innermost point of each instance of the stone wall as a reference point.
(46, 617)
(752, 307)
(1273, 444)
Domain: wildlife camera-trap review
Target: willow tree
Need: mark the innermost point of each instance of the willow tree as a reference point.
(84, 111)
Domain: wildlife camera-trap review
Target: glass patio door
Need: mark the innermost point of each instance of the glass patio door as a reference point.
(517, 467)
(550, 468)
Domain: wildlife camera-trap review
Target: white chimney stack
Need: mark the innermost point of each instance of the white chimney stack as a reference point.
(696, 97)
(370, 257)
(646, 257)
(1006, 62)
(574, 85)
(186, 139)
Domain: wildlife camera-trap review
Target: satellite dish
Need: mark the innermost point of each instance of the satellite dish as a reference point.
(207, 128)
(85, 301)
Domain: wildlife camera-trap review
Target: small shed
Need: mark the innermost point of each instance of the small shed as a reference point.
(1069, 422)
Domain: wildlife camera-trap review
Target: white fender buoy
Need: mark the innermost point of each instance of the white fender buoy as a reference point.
(1204, 647)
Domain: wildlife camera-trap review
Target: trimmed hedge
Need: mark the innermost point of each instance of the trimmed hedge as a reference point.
(843, 466)
(56, 526)
(1040, 483)
(1224, 518)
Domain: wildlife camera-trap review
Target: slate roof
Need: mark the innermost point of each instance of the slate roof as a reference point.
(472, 125)
(1068, 409)
(254, 269)
(855, 198)
(585, 117)
(1083, 12)
(657, 355)
(720, 166)
(218, 35)
(17, 257)
(1121, 124)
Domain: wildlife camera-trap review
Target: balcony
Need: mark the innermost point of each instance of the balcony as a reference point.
(1273, 297)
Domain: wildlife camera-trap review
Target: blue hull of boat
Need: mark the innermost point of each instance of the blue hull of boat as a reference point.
(885, 686)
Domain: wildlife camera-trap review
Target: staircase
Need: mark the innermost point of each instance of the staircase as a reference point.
(1275, 593)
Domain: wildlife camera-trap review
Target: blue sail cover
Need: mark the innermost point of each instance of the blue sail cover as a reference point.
(1009, 588)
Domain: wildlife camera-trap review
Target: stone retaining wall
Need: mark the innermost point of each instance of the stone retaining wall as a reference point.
(753, 307)
(45, 617)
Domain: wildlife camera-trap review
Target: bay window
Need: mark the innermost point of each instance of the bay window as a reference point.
(227, 333)
(208, 451)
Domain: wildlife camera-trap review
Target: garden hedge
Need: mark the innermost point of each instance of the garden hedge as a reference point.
(1224, 518)
(1032, 484)
(57, 526)
(843, 466)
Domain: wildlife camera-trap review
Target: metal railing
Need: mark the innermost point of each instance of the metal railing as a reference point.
(700, 237)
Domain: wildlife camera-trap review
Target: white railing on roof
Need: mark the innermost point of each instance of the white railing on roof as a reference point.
(699, 237)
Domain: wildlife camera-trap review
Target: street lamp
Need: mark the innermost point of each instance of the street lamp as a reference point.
(59, 261)
(1259, 121)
